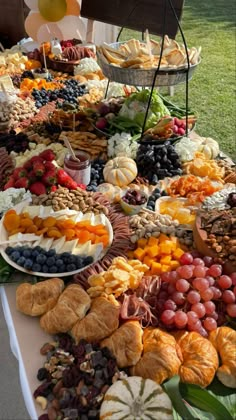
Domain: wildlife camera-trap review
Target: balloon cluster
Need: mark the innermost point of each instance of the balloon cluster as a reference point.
(50, 19)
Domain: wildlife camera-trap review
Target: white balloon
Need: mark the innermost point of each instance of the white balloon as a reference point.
(32, 4)
(72, 27)
(48, 31)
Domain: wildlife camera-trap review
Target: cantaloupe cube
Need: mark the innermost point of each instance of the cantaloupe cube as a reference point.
(166, 260)
(155, 268)
(142, 242)
(152, 241)
(165, 268)
(174, 264)
(166, 247)
(147, 260)
(139, 253)
(163, 238)
(177, 253)
(153, 251)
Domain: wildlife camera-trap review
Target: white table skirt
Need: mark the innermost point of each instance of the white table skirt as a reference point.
(26, 339)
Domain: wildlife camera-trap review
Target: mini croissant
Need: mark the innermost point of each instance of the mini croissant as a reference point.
(161, 356)
(200, 359)
(224, 341)
(71, 307)
(126, 344)
(36, 299)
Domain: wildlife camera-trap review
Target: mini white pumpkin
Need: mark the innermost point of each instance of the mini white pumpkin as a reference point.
(135, 398)
(120, 171)
(209, 147)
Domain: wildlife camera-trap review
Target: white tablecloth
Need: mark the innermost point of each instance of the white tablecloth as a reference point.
(26, 339)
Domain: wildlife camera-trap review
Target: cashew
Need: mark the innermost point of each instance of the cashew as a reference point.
(42, 401)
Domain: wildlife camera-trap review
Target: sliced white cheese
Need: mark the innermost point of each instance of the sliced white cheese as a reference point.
(27, 237)
(58, 244)
(31, 210)
(46, 243)
(69, 246)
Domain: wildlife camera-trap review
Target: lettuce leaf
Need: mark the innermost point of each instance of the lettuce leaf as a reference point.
(136, 104)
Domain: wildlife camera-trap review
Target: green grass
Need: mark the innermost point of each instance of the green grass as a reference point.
(211, 25)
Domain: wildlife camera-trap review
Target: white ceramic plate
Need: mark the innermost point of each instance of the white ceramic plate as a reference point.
(86, 249)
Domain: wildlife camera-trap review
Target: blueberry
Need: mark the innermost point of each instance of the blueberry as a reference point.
(65, 255)
(36, 267)
(15, 256)
(28, 264)
(71, 259)
(34, 253)
(53, 269)
(45, 268)
(9, 250)
(87, 260)
(51, 261)
(26, 253)
(156, 191)
(61, 269)
(41, 259)
(51, 253)
(79, 262)
(21, 261)
(151, 203)
(149, 208)
(164, 193)
(70, 267)
(59, 262)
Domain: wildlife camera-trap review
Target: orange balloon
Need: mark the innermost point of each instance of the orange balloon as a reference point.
(33, 23)
(73, 7)
(48, 31)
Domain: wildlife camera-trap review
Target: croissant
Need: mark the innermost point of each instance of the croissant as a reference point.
(200, 359)
(224, 341)
(161, 356)
(71, 306)
(101, 321)
(36, 299)
(126, 344)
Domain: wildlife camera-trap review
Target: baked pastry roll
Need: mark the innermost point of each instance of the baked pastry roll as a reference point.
(36, 299)
(224, 341)
(101, 321)
(126, 344)
(71, 307)
(161, 357)
(200, 359)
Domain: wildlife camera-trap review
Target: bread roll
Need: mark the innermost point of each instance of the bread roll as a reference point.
(224, 341)
(36, 299)
(71, 307)
(200, 359)
(126, 344)
(161, 356)
(101, 321)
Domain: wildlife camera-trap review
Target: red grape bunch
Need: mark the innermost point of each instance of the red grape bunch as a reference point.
(197, 296)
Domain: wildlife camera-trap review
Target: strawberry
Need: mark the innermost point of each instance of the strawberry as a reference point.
(31, 176)
(53, 188)
(62, 177)
(19, 173)
(28, 165)
(71, 184)
(38, 188)
(48, 155)
(38, 168)
(10, 183)
(49, 178)
(81, 186)
(22, 183)
(49, 166)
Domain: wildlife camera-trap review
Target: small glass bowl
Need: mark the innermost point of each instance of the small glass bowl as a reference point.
(132, 209)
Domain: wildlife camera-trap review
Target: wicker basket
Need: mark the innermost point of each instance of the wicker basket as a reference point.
(143, 77)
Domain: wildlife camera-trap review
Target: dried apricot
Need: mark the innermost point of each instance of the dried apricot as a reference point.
(32, 229)
(49, 222)
(26, 222)
(38, 221)
(84, 236)
(11, 221)
(69, 234)
(54, 233)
